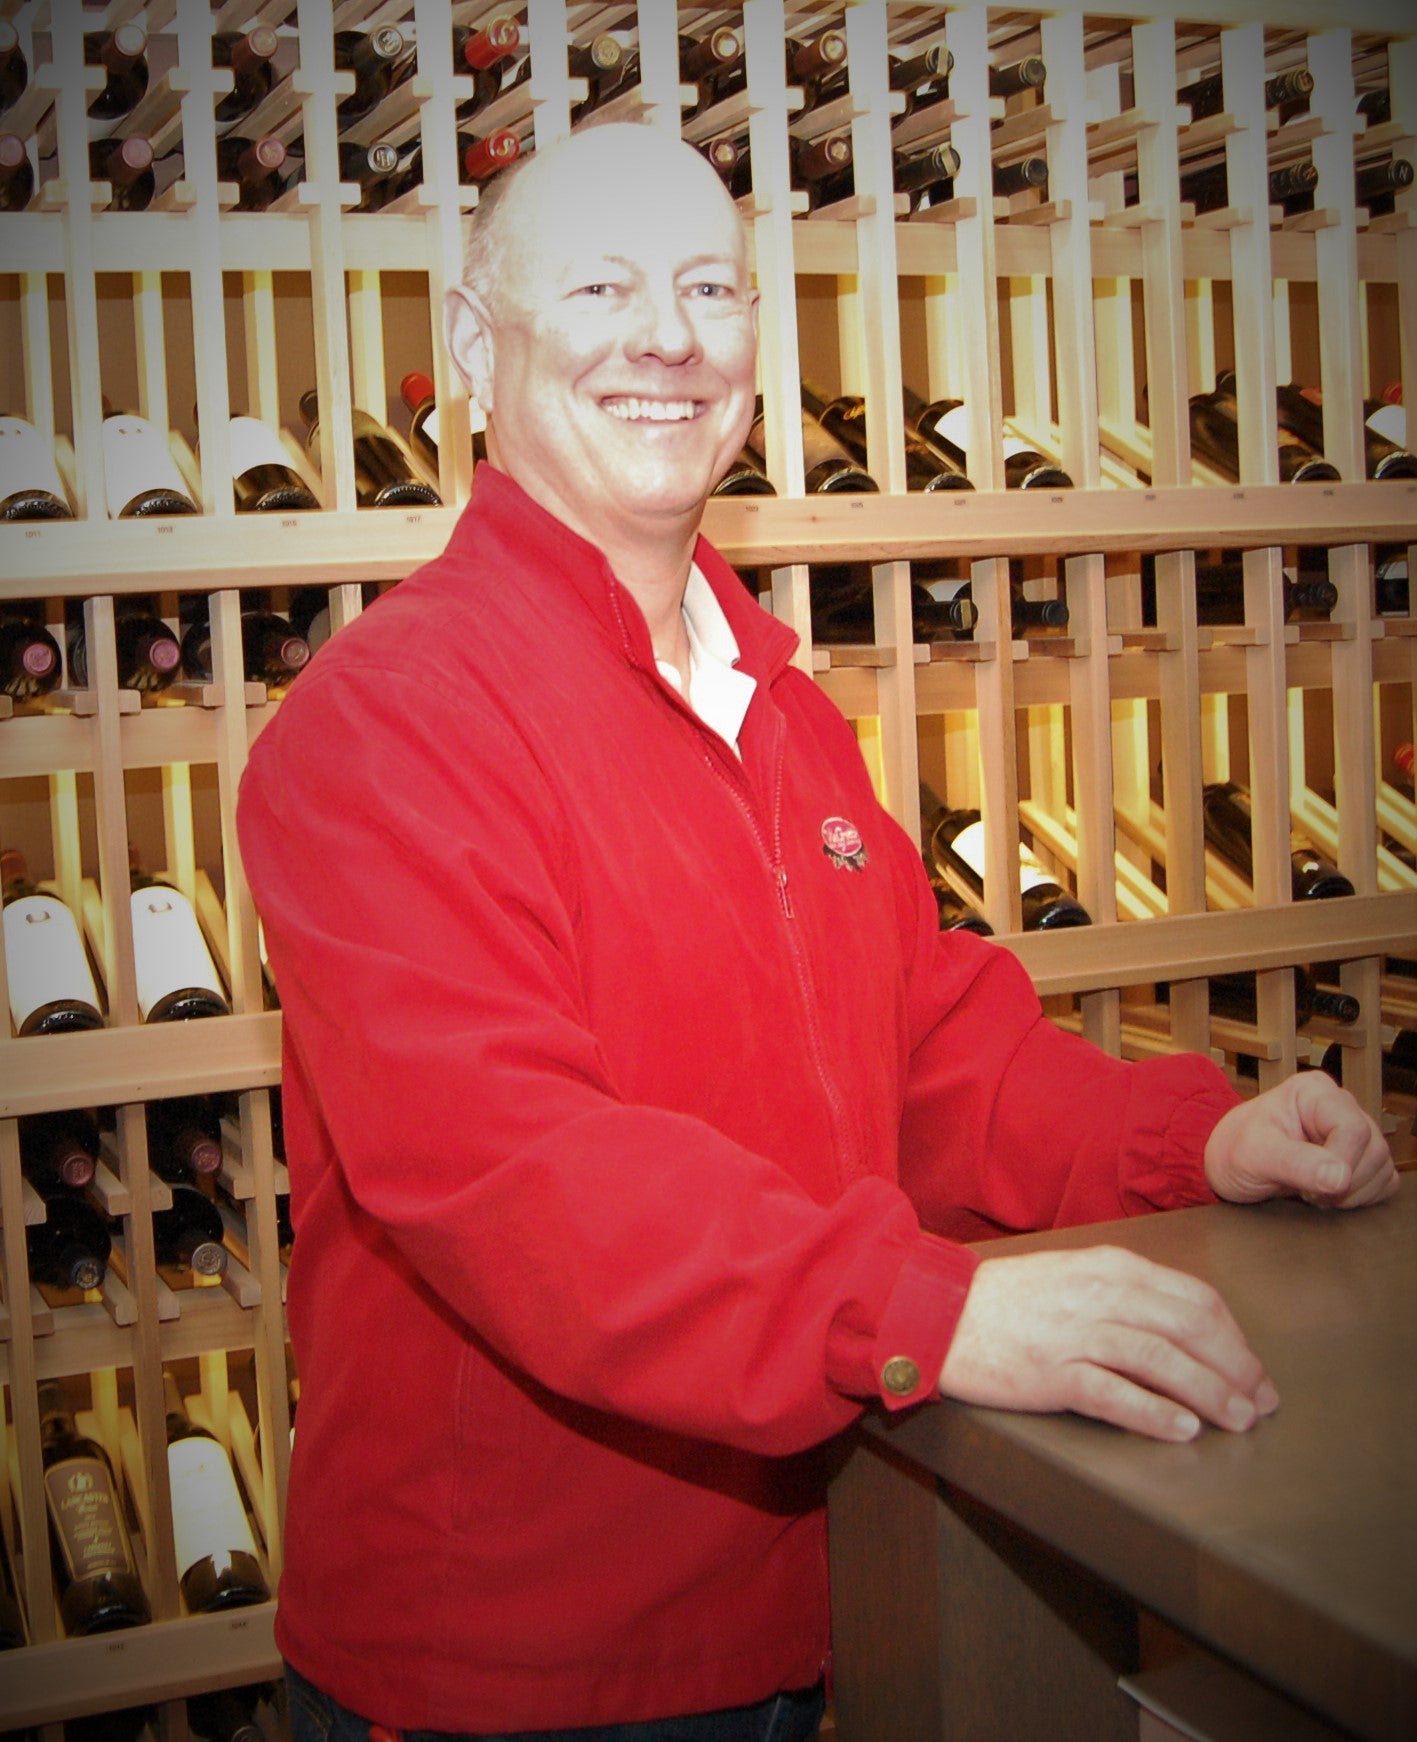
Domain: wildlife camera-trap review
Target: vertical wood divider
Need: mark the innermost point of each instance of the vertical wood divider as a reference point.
(983, 397)
(80, 286)
(37, 1583)
(1164, 312)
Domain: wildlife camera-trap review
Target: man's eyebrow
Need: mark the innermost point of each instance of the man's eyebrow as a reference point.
(719, 257)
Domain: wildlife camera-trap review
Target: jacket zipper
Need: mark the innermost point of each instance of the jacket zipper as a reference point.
(847, 1164)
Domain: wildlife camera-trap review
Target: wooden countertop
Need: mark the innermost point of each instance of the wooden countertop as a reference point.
(1291, 1549)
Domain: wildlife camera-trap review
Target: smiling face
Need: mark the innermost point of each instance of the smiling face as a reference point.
(615, 352)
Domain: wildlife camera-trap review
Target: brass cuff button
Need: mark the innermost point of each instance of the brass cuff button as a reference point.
(900, 1376)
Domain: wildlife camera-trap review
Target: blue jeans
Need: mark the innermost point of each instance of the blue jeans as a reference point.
(790, 1717)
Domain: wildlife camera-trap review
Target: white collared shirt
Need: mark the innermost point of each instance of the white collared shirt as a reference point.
(718, 692)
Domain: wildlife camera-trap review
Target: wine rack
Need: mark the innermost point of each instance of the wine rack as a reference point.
(1080, 317)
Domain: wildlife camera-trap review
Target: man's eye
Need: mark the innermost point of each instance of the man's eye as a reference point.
(709, 289)
(594, 290)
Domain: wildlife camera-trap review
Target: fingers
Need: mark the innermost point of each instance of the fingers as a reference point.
(1349, 1164)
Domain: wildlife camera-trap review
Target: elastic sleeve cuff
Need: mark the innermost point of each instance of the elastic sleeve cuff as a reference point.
(919, 1322)
(1179, 1102)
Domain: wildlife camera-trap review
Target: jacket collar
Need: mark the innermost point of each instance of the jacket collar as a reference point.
(501, 516)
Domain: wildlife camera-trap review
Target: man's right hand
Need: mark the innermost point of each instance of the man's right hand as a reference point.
(1105, 1333)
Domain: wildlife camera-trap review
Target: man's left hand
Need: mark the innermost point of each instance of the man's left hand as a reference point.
(1306, 1138)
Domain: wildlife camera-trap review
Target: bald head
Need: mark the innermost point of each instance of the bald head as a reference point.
(628, 162)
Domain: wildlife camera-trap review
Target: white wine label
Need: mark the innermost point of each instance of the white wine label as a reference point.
(476, 421)
(169, 951)
(207, 1515)
(27, 460)
(86, 1518)
(968, 845)
(136, 459)
(946, 591)
(254, 443)
(44, 957)
(954, 427)
(1390, 421)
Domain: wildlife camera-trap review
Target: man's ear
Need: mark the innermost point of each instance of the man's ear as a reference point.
(467, 327)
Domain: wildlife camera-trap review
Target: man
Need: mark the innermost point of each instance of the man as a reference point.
(625, 1060)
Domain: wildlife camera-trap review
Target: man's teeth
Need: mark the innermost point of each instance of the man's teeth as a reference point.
(656, 410)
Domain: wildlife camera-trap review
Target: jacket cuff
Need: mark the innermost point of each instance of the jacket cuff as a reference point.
(1178, 1102)
(919, 1322)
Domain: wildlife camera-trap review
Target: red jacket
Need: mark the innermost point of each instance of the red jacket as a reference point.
(607, 1058)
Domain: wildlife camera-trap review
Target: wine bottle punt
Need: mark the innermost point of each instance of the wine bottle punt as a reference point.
(59, 1150)
(95, 1572)
(30, 663)
(51, 986)
(177, 978)
(957, 847)
(217, 1564)
(16, 174)
(184, 1138)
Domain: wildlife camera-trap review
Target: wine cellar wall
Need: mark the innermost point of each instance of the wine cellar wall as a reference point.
(1081, 472)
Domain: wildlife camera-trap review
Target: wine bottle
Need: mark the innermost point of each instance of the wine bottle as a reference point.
(602, 64)
(816, 168)
(29, 654)
(1375, 183)
(480, 159)
(744, 478)
(217, 1566)
(1392, 596)
(932, 66)
(94, 1569)
(1235, 996)
(124, 55)
(926, 467)
(228, 1715)
(383, 478)
(723, 155)
(263, 479)
(372, 168)
(944, 584)
(945, 425)
(184, 1137)
(1375, 106)
(16, 174)
(956, 848)
(1220, 592)
(1300, 411)
(1206, 96)
(14, 68)
(177, 978)
(148, 652)
(1215, 438)
(955, 912)
(1021, 176)
(139, 473)
(51, 986)
(829, 467)
(70, 1247)
(189, 1235)
(1225, 809)
(374, 57)
(30, 486)
(706, 63)
(843, 607)
(418, 396)
(272, 652)
(485, 53)
(132, 1724)
(12, 1621)
(59, 1151)
(251, 56)
(1028, 74)
(1208, 188)
(812, 61)
(923, 178)
(127, 166)
(255, 166)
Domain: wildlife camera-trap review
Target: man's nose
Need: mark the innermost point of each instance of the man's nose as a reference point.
(664, 327)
